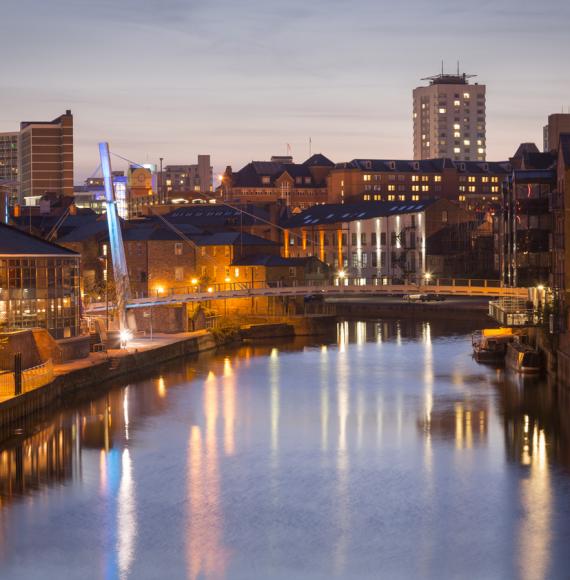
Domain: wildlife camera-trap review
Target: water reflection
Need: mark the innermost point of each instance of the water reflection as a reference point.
(335, 454)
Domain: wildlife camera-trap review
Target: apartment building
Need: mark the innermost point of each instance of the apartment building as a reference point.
(187, 180)
(449, 118)
(9, 164)
(46, 157)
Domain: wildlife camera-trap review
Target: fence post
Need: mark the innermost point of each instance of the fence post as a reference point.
(18, 373)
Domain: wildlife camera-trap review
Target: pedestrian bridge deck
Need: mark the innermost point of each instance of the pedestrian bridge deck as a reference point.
(180, 296)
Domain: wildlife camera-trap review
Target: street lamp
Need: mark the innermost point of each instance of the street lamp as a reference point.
(427, 277)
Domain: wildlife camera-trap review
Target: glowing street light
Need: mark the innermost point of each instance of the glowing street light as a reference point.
(427, 277)
(342, 274)
(210, 289)
(124, 336)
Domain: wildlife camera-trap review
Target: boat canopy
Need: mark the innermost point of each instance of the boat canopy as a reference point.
(491, 332)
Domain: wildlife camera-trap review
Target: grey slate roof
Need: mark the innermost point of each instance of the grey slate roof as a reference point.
(251, 174)
(15, 242)
(216, 215)
(335, 213)
(436, 165)
(270, 261)
(231, 239)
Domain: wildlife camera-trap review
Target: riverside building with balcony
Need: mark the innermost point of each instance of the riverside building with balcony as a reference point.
(383, 242)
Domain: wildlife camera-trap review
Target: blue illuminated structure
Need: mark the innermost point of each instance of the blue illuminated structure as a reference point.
(120, 270)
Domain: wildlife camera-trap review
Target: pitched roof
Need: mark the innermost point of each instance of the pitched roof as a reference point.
(436, 165)
(231, 239)
(335, 213)
(271, 260)
(318, 160)
(15, 242)
(217, 215)
(252, 174)
(525, 148)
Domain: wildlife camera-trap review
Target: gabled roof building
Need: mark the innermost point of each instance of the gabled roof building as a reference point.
(297, 185)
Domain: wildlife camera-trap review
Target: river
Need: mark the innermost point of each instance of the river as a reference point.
(384, 451)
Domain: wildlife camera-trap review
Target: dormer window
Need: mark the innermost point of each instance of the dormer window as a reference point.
(392, 164)
(265, 179)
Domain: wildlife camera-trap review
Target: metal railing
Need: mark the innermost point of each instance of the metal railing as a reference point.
(32, 378)
(512, 311)
(363, 286)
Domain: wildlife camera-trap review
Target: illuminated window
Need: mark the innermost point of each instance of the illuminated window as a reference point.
(442, 110)
(456, 150)
(415, 198)
(481, 150)
(471, 179)
(415, 187)
(425, 178)
(461, 198)
(437, 178)
(495, 188)
(466, 142)
(495, 179)
(466, 96)
(456, 103)
(472, 188)
(415, 177)
(485, 179)
(402, 198)
(425, 187)
(456, 126)
(456, 134)
(367, 177)
(391, 197)
(391, 188)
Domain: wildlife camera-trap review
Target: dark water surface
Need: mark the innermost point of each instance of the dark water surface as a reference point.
(384, 452)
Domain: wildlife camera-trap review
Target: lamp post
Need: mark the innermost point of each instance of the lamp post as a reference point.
(161, 184)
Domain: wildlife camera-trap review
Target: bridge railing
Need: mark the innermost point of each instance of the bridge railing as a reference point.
(319, 283)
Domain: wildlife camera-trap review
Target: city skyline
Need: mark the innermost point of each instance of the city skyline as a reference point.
(174, 79)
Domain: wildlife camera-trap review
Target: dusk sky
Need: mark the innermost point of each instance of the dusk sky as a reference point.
(241, 78)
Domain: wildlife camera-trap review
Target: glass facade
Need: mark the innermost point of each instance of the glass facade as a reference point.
(40, 292)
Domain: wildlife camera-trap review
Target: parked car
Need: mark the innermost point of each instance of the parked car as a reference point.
(432, 297)
(319, 298)
(413, 297)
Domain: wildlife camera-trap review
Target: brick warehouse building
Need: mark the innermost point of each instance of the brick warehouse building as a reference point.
(474, 184)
